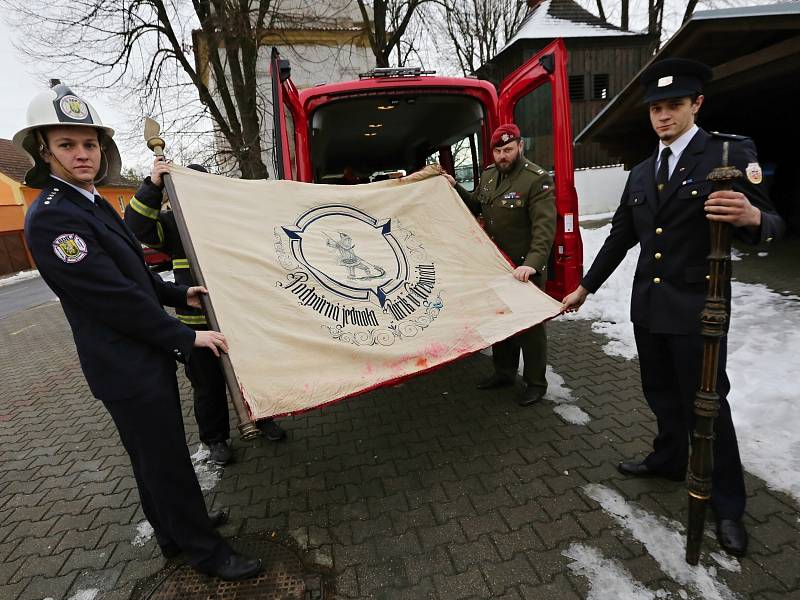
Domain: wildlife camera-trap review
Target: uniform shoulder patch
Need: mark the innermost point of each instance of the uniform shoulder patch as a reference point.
(70, 248)
(729, 136)
(754, 173)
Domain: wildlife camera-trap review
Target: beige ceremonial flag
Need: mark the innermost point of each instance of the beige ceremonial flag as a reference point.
(325, 291)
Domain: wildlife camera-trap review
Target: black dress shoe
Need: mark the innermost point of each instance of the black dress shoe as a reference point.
(640, 469)
(218, 518)
(732, 536)
(271, 430)
(171, 550)
(236, 568)
(219, 453)
(531, 395)
(494, 382)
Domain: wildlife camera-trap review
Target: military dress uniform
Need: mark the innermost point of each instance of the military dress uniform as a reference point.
(127, 346)
(669, 292)
(519, 215)
(157, 229)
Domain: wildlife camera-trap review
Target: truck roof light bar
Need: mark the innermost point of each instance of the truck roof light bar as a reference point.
(383, 72)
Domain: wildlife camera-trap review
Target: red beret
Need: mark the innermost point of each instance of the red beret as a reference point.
(505, 134)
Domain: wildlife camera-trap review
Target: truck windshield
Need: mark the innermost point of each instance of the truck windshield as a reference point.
(353, 138)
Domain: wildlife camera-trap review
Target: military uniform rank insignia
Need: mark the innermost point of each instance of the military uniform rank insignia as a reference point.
(512, 196)
(70, 247)
(754, 174)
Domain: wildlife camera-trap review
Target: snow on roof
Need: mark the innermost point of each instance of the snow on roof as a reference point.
(552, 19)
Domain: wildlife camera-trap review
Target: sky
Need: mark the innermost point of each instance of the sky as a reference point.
(19, 85)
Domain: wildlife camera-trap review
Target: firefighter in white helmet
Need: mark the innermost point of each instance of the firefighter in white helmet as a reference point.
(127, 344)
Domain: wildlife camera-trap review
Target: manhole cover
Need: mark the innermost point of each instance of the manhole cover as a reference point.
(284, 577)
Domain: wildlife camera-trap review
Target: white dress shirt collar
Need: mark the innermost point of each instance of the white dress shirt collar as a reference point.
(679, 144)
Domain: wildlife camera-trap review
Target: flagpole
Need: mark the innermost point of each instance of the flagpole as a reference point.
(714, 319)
(247, 428)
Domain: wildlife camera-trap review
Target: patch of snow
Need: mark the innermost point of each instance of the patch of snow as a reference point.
(763, 254)
(597, 216)
(664, 541)
(727, 562)
(208, 474)
(540, 24)
(561, 395)
(21, 276)
(144, 531)
(737, 254)
(764, 335)
(764, 341)
(90, 594)
(608, 579)
(609, 308)
(167, 276)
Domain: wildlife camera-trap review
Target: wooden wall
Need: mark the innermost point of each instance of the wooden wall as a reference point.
(621, 57)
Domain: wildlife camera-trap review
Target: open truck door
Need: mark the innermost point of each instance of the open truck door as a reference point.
(290, 139)
(536, 98)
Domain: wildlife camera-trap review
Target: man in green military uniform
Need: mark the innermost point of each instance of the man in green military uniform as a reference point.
(515, 197)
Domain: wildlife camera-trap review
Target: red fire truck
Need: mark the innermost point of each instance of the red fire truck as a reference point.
(397, 120)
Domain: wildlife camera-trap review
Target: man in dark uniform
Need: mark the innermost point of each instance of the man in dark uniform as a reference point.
(665, 208)
(127, 344)
(157, 229)
(515, 197)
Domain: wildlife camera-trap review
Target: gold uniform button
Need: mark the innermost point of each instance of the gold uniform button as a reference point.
(656, 279)
(708, 277)
(659, 231)
(658, 255)
(694, 192)
(769, 239)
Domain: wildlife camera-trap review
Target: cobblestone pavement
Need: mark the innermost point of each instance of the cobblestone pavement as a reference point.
(429, 489)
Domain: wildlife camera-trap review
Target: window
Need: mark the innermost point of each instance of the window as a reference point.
(534, 116)
(465, 161)
(577, 88)
(600, 87)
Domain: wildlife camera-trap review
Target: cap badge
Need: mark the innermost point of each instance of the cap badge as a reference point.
(665, 81)
(74, 108)
(506, 137)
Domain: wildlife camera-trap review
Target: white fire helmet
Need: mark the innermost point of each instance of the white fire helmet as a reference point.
(58, 107)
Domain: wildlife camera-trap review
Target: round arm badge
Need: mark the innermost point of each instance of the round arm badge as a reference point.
(70, 247)
(753, 172)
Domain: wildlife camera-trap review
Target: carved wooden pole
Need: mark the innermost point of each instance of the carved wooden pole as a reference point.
(247, 427)
(706, 406)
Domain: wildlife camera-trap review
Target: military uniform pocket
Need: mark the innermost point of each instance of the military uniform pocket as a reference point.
(694, 190)
(636, 199)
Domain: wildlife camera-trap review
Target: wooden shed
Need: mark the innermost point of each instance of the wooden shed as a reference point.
(602, 60)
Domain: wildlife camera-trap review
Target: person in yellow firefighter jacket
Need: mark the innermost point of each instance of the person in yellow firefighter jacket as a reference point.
(157, 229)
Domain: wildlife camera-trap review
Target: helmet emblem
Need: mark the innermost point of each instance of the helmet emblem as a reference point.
(74, 108)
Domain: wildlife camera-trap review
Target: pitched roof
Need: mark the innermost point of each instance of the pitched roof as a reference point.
(13, 162)
(552, 19)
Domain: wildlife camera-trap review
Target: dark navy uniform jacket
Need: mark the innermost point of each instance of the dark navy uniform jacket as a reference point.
(126, 342)
(670, 285)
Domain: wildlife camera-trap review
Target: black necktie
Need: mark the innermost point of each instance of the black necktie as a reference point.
(662, 177)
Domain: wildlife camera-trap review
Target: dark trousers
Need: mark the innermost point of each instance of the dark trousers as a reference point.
(671, 368)
(210, 400)
(533, 343)
(151, 429)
